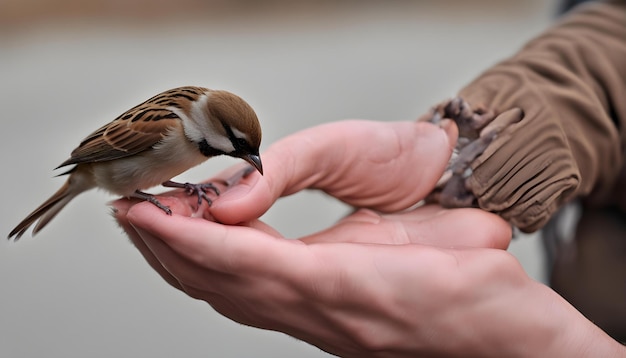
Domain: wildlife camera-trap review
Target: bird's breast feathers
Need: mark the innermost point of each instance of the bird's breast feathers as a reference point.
(170, 157)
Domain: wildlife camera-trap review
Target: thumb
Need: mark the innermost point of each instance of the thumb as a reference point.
(387, 166)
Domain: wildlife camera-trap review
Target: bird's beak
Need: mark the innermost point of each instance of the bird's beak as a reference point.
(255, 161)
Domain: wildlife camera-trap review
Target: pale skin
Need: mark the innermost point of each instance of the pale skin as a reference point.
(381, 282)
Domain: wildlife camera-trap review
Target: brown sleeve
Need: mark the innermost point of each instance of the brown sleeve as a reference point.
(570, 84)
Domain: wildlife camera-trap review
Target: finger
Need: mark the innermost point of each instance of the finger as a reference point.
(245, 201)
(429, 225)
(368, 226)
(391, 178)
(465, 227)
(176, 269)
(285, 163)
(216, 247)
(359, 162)
(189, 277)
(121, 208)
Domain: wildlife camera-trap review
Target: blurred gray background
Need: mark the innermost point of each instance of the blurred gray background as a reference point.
(80, 289)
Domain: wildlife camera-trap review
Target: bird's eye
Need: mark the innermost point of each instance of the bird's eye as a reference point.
(242, 142)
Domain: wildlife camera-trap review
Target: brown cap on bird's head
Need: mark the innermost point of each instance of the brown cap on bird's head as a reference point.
(239, 123)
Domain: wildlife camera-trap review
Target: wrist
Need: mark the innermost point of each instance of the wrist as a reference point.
(524, 318)
(576, 336)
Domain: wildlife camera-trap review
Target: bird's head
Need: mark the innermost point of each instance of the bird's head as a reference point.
(223, 123)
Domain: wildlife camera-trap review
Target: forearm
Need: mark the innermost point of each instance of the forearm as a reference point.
(494, 300)
(570, 85)
(576, 72)
(576, 336)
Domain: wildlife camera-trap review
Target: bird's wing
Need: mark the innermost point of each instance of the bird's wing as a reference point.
(134, 131)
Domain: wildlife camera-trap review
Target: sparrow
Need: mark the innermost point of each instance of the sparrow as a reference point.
(153, 142)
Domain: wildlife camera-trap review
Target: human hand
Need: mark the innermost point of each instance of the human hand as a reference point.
(300, 287)
(369, 286)
(391, 284)
(383, 166)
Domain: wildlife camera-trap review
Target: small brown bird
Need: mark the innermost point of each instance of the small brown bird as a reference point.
(153, 142)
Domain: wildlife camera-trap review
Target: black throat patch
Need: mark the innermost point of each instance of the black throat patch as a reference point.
(207, 150)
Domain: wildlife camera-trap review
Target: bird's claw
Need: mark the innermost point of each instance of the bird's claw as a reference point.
(165, 208)
(152, 199)
(201, 191)
(470, 121)
(195, 189)
(451, 190)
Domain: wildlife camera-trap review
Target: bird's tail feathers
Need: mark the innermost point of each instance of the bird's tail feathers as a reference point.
(73, 186)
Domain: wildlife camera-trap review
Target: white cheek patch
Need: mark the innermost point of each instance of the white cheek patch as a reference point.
(220, 142)
(198, 126)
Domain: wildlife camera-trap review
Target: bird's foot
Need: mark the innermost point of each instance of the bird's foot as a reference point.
(152, 199)
(478, 128)
(451, 190)
(200, 190)
(470, 121)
